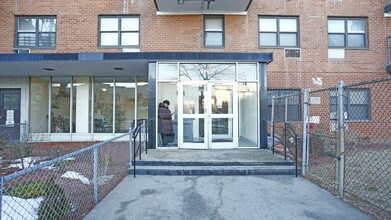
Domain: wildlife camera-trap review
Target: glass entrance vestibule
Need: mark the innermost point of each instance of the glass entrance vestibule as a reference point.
(214, 105)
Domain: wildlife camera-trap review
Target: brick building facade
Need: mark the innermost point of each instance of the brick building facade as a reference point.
(362, 55)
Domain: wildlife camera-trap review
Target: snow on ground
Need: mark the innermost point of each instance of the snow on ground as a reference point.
(74, 175)
(55, 165)
(18, 208)
(27, 162)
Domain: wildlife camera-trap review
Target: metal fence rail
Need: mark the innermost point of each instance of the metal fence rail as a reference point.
(67, 187)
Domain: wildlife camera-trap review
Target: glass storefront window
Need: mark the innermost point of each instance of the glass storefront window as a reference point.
(248, 114)
(103, 104)
(124, 103)
(39, 102)
(215, 72)
(168, 71)
(81, 107)
(247, 72)
(60, 108)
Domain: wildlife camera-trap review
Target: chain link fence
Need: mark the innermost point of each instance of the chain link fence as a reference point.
(349, 143)
(367, 139)
(67, 187)
(345, 134)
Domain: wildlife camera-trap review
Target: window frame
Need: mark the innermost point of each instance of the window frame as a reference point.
(222, 31)
(119, 31)
(346, 33)
(278, 32)
(278, 118)
(36, 32)
(347, 104)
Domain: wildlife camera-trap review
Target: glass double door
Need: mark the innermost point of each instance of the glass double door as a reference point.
(207, 115)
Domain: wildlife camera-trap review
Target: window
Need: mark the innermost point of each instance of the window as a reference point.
(356, 104)
(36, 32)
(347, 32)
(278, 32)
(119, 31)
(294, 104)
(214, 31)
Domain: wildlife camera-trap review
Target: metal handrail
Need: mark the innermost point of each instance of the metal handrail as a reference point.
(137, 133)
(292, 132)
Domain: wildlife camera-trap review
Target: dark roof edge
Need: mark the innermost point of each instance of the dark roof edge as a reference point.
(149, 56)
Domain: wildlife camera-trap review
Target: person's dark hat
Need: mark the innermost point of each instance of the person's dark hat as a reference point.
(166, 102)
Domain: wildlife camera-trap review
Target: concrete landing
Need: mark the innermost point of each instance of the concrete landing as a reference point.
(235, 155)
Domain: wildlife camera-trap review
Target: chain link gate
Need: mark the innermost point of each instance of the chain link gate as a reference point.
(285, 127)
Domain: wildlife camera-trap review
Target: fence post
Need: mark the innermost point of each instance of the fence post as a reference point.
(1, 195)
(341, 141)
(272, 119)
(96, 170)
(305, 124)
(285, 121)
(130, 147)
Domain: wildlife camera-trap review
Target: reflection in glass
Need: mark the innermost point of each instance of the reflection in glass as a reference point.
(248, 116)
(168, 71)
(103, 104)
(222, 99)
(247, 72)
(193, 130)
(193, 99)
(207, 72)
(39, 102)
(142, 101)
(222, 130)
(60, 109)
(124, 103)
(81, 104)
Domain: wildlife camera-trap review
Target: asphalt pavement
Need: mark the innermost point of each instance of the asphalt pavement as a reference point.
(222, 197)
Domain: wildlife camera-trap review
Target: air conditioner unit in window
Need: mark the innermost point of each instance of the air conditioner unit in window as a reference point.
(21, 50)
(292, 52)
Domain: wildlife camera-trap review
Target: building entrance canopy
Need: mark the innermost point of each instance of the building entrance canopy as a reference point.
(180, 7)
(108, 64)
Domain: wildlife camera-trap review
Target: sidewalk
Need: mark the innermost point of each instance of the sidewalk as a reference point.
(221, 197)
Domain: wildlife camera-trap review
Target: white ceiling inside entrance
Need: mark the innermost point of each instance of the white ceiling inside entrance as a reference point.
(180, 7)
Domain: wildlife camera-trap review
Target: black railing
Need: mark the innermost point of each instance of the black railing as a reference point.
(138, 141)
(291, 138)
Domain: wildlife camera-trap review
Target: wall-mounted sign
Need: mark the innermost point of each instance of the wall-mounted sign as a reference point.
(10, 117)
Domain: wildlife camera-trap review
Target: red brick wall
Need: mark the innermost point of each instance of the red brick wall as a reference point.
(77, 31)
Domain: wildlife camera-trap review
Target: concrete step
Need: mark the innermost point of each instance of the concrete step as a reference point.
(214, 170)
(211, 163)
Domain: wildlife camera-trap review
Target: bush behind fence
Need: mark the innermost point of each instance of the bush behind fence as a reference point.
(67, 187)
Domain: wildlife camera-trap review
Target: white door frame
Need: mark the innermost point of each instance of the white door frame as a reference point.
(207, 115)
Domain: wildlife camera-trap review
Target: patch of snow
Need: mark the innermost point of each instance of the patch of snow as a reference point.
(75, 175)
(53, 166)
(18, 208)
(102, 180)
(27, 162)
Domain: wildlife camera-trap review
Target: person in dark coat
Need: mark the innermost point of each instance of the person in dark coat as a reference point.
(165, 121)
